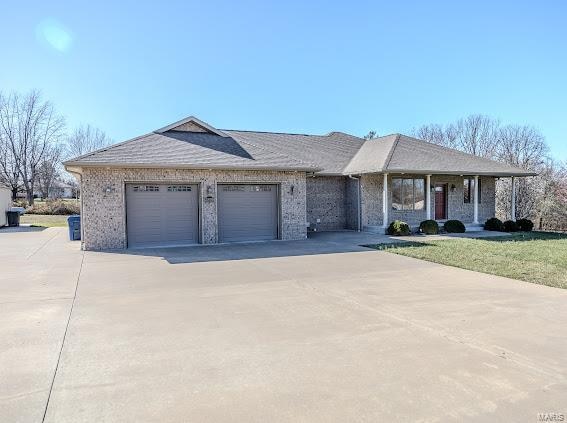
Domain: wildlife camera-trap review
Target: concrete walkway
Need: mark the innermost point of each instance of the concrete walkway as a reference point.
(315, 330)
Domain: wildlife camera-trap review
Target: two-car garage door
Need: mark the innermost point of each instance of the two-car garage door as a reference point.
(168, 214)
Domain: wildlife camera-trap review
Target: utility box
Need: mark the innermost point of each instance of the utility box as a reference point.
(74, 222)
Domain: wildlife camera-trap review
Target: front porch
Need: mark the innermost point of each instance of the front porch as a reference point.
(413, 198)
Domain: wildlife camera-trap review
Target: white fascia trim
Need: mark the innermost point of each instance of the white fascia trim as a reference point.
(196, 121)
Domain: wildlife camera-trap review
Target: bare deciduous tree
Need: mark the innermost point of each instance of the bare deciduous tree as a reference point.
(371, 135)
(29, 128)
(551, 213)
(9, 157)
(523, 147)
(475, 134)
(85, 139)
(437, 134)
(49, 170)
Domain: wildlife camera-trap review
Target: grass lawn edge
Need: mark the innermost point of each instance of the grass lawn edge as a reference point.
(533, 257)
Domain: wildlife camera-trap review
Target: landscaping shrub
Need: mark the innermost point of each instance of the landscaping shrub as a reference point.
(493, 224)
(398, 228)
(525, 225)
(20, 202)
(510, 226)
(54, 207)
(454, 226)
(429, 227)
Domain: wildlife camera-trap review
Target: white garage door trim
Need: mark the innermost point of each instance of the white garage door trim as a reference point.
(276, 215)
(176, 186)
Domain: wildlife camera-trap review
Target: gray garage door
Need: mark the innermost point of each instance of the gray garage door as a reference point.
(247, 212)
(161, 215)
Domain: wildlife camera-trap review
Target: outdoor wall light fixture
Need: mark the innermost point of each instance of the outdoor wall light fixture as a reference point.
(453, 187)
(209, 191)
(291, 189)
(108, 189)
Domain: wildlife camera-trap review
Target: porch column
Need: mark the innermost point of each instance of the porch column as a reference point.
(513, 208)
(475, 219)
(428, 196)
(385, 201)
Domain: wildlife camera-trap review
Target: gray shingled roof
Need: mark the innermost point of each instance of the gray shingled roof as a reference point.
(190, 150)
(331, 152)
(336, 153)
(399, 153)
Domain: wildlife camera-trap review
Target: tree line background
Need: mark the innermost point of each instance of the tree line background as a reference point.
(34, 140)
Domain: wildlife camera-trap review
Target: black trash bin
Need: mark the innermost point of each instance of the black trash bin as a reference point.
(13, 218)
(74, 222)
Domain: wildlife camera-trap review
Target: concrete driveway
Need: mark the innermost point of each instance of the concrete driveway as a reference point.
(316, 330)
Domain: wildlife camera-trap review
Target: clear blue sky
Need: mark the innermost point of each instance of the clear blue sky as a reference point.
(296, 66)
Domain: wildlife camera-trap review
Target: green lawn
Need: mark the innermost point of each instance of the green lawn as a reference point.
(46, 220)
(537, 257)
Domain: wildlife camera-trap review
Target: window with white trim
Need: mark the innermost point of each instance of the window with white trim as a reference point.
(468, 190)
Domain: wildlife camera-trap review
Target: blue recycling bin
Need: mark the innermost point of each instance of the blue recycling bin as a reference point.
(74, 222)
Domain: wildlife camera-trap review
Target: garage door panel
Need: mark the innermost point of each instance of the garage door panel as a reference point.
(163, 214)
(247, 212)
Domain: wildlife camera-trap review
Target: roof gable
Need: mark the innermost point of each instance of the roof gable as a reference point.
(191, 124)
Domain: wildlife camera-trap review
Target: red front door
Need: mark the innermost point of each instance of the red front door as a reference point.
(440, 201)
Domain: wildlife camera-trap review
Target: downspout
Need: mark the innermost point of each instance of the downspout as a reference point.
(358, 196)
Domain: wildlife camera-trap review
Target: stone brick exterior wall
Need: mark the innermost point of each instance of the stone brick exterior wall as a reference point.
(372, 215)
(351, 204)
(371, 200)
(326, 201)
(104, 214)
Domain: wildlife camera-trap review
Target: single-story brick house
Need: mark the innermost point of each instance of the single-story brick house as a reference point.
(190, 183)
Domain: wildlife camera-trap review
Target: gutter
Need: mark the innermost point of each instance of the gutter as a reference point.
(519, 173)
(359, 207)
(78, 165)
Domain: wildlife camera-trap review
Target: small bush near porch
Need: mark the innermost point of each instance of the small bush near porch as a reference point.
(537, 257)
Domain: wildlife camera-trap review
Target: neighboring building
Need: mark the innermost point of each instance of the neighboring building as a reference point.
(190, 183)
(5, 203)
(60, 189)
